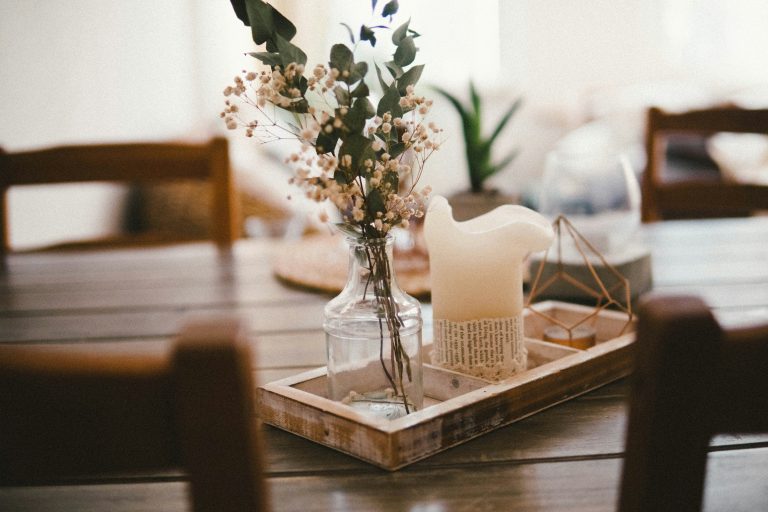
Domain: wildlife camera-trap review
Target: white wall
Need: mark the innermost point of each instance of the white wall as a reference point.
(82, 71)
(110, 70)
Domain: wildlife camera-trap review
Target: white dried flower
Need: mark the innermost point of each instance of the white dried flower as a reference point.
(308, 133)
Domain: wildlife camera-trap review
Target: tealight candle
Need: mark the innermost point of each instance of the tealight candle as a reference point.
(476, 271)
(581, 337)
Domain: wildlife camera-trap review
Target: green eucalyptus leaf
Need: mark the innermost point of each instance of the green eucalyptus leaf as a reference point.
(300, 107)
(388, 138)
(289, 52)
(303, 85)
(367, 34)
(326, 142)
(341, 177)
(365, 106)
(406, 52)
(390, 8)
(384, 85)
(260, 17)
(355, 118)
(393, 180)
(359, 70)
(369, 110)
(410, 77)
(349, 31)
(341, 57)
(373, 4)
(361, 90)
(241, 12)
(390, 102)
(396, 149)
(349, 229)
(394, 70)
(400, 33)
(266, 22)
(374, 203)
(359, 148)
(270, 59)
(283, 25)
(342, 95)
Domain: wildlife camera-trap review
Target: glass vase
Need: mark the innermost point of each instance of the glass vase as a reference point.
(373, 336)
(597, 192)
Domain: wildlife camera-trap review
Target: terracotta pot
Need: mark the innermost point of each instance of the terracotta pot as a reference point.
(467, 205)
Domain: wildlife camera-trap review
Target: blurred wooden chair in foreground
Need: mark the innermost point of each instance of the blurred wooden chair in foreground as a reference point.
(692, 380)
(696, 194)
(135, 163)
(64, 414)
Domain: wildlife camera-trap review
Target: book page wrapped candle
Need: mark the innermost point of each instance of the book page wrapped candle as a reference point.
(476, 270)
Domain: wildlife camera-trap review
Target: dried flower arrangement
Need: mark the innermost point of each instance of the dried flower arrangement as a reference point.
(366, 160)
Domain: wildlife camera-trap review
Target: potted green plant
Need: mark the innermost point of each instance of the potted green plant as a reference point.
(478, 149)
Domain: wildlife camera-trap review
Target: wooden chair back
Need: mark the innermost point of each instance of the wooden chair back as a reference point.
(697, 197)
(693, 379)
(64, 415)
(128, 163)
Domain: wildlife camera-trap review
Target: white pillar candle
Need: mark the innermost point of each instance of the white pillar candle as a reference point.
(476, 271)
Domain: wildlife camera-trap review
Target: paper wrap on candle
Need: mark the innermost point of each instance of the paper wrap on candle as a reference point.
(476, 271)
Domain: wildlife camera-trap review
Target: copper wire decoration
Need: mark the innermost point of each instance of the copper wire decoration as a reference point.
(616, 296)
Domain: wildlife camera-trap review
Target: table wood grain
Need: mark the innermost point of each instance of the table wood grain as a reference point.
(565, 458)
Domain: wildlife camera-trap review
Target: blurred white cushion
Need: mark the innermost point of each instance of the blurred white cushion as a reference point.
(741, 157)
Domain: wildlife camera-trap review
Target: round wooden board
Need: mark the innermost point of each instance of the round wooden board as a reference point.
(320, 263)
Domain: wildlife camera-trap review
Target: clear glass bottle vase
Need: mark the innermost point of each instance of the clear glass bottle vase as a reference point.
(373, 336)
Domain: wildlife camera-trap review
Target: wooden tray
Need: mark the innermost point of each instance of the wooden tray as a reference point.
(457, 407)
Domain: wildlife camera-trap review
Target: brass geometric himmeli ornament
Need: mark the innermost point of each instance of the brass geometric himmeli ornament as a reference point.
(606, 295)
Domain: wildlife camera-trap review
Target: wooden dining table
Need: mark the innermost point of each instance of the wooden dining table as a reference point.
(567, 457)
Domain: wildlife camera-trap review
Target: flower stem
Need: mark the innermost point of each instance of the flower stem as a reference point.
(381, 274)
